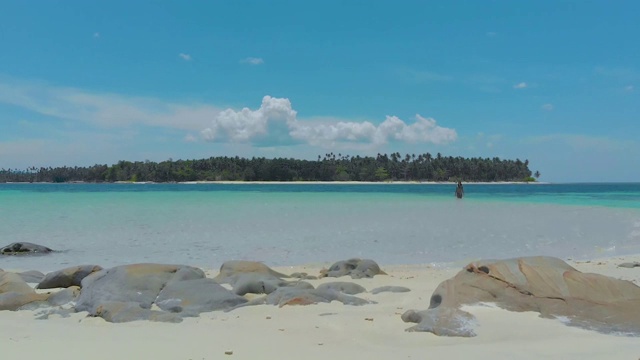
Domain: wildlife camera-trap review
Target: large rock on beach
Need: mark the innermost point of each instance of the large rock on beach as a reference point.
(300, 296)
(630, 265)
(24, 248)
(128, 292)
(31, 276)
(356, 268)
(68, 277)
(543, 284)
(119, 312)
(259, 283)
(344, 287)
(15, 292)
(192, 297)
(391, 289)
(231, 270)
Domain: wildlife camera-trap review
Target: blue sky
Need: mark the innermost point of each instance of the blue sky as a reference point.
(554, 82)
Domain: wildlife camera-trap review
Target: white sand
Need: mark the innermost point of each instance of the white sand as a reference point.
(325, 331)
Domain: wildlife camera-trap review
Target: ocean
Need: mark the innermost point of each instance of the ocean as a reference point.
(293, 224)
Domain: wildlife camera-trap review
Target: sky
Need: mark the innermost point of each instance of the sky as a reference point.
(94, 82)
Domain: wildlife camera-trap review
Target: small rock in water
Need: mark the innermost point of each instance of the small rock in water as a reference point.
(24, 248)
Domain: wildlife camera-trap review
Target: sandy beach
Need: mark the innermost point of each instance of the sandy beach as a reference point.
(323, 331)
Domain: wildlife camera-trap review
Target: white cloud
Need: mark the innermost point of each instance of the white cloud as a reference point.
(628, 88)
(96, 34)
(522, 85)
(245, 125)
(491, 33)
(275, 123)
(252, 61)
(185, 57)
(547, 107)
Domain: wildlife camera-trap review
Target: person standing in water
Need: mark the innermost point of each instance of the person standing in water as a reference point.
(459, 190)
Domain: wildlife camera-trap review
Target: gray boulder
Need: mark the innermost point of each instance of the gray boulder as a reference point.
(120, 311)
(192, 297)
(31, 276)
(257, 283)
(137, 283)
(230, 270)
(65, 278)
(127, 293)
(630, 264)
(343, 287)
(442, 321)
(57, 301)
(296, 296)
(24, 248)
(356, 268)
(543, 284)
(303, 276)
(15, 292)
(393, 289)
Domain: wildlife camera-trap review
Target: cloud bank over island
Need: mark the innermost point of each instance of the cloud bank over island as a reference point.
(245, 125)
(274, 123)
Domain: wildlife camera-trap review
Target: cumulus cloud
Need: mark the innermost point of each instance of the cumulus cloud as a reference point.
(246, 125)
(274, 123)
(252, 61)
(547, 107)
(522, 85)
(185, 57)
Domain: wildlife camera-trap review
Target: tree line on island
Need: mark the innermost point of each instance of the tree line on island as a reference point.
(331, 167)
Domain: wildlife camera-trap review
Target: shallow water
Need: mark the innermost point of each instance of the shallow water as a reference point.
(285, 224)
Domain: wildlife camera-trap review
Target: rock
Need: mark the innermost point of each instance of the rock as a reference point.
(32, 276)
(442, 321)
(356, 268)
(64, 296)
(296, 296)
(118, 312)
(137, 283)
(68, 277)
(15, 292)
(24, 248)
(60, 300)
(257, 283)
(192, 297)
(12, 282)
(303, 276)
(13, 300)
(232, 269)
(543, 284)
(393, 289)
(343, 287)
(630, 264)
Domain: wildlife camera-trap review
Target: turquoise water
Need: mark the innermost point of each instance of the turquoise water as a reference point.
(286, 224)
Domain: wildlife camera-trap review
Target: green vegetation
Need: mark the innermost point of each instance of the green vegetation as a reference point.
(383, 167)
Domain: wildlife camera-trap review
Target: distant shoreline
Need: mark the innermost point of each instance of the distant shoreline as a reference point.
(225, 182)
